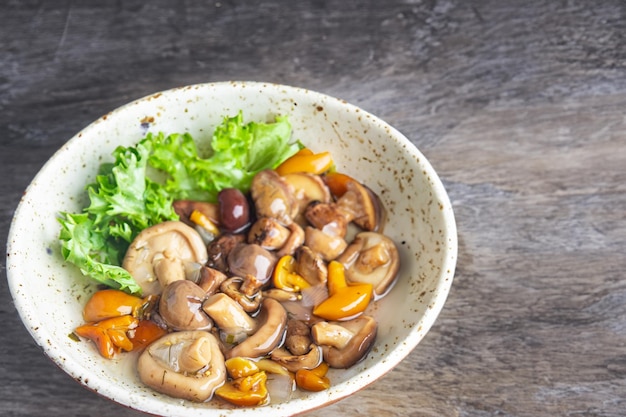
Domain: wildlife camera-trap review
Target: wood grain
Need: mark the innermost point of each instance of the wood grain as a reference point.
(519, 106)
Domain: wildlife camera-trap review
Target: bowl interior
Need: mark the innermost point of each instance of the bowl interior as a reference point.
(49, 294)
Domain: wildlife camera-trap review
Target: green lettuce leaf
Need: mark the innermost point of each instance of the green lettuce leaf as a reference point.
(137, 190)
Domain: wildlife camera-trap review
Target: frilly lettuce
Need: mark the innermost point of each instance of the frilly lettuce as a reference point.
(137, 190)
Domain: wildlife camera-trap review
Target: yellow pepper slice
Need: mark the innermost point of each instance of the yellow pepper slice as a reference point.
(345, 300)
(285, 277)
(203, 221)
(308, 380)
(239, 367)
(246, 391)
(313, 163)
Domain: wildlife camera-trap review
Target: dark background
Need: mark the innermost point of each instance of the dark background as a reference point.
(519, 105)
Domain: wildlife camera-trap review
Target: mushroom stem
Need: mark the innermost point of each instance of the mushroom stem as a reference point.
(228, 315)
(333, 335)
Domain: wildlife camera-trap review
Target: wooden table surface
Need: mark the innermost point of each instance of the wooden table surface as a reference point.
(519, 105)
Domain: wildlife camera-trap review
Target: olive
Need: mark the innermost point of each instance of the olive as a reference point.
(234, 210)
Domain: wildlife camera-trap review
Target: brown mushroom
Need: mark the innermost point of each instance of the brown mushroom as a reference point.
(210, 279)
(162, 253)
(187, 365)
(358, 204)
(232, 288)
(250, 259)
(308, 360)
(363, 206)
(271, 324)
(298, 337)
(345, 343)
(219, 249)
(311, 266)
(268, 233)
(327, 246)
(293, 242)
(273, 197)
(307, 188)
(372, 258)
(180, 306)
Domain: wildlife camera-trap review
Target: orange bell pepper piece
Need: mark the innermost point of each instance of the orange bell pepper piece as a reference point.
(337, 183)
(344, 300)
(302, 161)
(246, 391)
(145, 333)
(109, 335)
(308, 380)
(105, 304)
(285, 277)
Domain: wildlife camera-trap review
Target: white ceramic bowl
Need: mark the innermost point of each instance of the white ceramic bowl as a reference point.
(50, 294)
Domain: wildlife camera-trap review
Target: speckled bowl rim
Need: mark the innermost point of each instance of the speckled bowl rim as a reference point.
(395, 356)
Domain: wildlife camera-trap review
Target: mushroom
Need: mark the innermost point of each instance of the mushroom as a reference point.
(298, 337)
(273, 197)
(371, 258)
(162, 253)
(219, 249)
(363, 206)
(187, 365)
(268, 233)
(347, 342)
(180, 306)
(307, 188)
(329, 218)
(327, 246)
(184, 208)
(294, 241)
(232, 288)
(271, 324)
(210, 279)
(358, 204)
(311, 266)
(309, 360)
(250, 259)
(234, 323)
(271, 235)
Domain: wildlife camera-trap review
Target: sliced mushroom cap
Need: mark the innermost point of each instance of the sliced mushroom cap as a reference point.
(327, 246)
(307, 188)
(363, 206)
(372, 258)
(273, 197)
(347, 342)
(293, 363)
(250, 259)
(187, 365)
(161, 254)
(180, 306)
(311, 266)
(270, 332)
